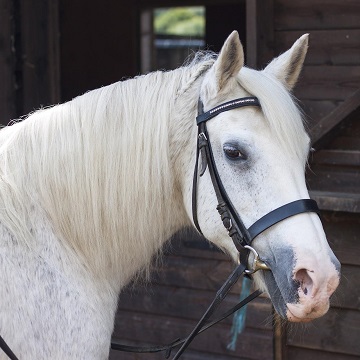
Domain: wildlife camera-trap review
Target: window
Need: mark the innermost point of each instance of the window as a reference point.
(170, 35)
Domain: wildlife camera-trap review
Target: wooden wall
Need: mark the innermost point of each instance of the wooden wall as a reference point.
(336, 335)
(329, 93)
(332, 67)
(331, 76)
(181, 290)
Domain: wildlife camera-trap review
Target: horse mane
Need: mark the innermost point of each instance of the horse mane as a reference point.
(69, 158)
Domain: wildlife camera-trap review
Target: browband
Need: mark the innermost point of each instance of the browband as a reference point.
(233, 104)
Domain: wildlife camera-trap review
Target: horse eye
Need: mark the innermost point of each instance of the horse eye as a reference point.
(233, 153)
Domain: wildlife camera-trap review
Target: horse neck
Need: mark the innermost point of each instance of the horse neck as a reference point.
(115, 202)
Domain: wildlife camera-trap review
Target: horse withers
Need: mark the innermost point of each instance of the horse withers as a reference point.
(90, 190)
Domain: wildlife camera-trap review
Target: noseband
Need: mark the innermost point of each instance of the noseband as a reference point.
(240, 235)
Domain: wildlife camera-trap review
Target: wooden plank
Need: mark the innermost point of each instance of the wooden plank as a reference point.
(330, 180)
(174, 302)
(350, 128)
(345, 143)
(189, 243)
(315, 110)
(188, 355)
(256, 344)
(320, 14)
(337, 157)
(193, 273)
(326, 47)
(296, 353)
(328, 82)
(259, 32)
(339, 333)
(347, 296)
(7, 62)
(340, 180)
(323, 128)
(335, 201)
(342, 230)
(279, 338)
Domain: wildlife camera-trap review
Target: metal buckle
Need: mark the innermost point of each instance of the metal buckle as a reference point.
(257, 263)
(202, 136)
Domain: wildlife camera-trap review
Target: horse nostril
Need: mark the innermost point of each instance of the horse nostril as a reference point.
(303, 278)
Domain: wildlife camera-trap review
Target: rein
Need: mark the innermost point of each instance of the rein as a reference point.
(240, 235)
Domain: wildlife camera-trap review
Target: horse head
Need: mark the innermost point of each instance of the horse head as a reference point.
(260, 155)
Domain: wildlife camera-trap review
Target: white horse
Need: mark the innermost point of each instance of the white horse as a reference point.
(90, 190)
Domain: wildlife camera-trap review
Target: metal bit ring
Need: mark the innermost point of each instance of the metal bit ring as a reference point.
(257, 263)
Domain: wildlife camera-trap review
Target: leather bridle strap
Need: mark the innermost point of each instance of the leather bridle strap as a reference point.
(229, 105)
(207, 159)
(241, 236)
(220, 296)
(229, 216)
(5, 347)
(282, 213)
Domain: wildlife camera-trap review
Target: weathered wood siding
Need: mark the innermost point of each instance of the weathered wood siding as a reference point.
(182, 289)
(336, 335)
(332, 67)
(331, 77)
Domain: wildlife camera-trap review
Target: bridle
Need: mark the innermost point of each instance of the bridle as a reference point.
(240, 235)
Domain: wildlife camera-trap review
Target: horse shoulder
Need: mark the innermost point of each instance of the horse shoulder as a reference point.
(49, 307)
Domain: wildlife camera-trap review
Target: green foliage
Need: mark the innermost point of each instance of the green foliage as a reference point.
(188, 21)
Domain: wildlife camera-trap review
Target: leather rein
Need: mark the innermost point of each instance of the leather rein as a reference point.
(240, 235)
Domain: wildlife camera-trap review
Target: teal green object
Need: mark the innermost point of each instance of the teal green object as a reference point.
(239, 318)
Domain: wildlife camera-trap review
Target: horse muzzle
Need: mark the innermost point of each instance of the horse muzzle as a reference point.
(304, 294)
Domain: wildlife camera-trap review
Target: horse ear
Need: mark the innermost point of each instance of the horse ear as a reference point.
(287, 66)
(229, 61)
